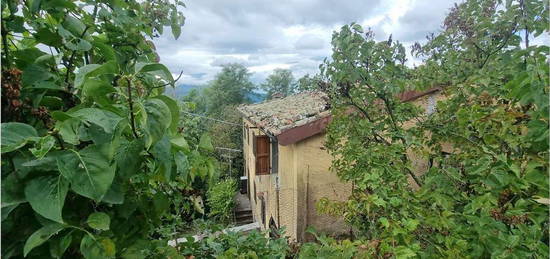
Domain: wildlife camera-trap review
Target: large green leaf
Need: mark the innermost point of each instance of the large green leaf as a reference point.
(180, 143)
(68, 129)
(103, 118)
(99, 221)
(97, 248)
(16, 135)
(89, 171)
(97, 90)
(159, 69)
(12, 191)
(162, 152)
(92, 70)
(128, 158)
(42, 235)
(46, 195)
(174, 110)
(158, 120)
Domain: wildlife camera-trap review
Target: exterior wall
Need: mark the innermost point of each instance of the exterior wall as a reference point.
(316, 181)
(303, 179)
(279, 199)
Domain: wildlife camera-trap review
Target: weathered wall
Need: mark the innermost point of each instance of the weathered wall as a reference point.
(265, 186)
(315, 181)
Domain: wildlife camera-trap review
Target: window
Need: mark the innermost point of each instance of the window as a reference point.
(261, 151)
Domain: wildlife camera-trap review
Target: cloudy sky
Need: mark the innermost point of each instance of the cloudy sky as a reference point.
(294, 34)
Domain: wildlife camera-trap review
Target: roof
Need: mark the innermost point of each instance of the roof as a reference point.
(297, 117)
(278, 115)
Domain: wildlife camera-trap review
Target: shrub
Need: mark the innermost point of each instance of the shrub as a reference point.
(220, 198)
(236, 245)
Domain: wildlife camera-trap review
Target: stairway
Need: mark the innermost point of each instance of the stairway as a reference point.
(243, 210)
(243, 217)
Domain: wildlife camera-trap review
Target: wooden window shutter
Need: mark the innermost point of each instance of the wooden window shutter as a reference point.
(262, 155)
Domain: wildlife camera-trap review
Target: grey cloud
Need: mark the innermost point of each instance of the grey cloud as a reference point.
(255, 33)
(309, 41)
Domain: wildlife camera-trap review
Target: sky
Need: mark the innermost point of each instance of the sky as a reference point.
(292, 34)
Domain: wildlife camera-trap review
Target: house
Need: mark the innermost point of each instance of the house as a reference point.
(287, 165)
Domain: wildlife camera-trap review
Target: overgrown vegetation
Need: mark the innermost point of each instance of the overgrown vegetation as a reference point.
(486, 195)
(98, 163)
(220, 200)
(236, 245)
(92, 160)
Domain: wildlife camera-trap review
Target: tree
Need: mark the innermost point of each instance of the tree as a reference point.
(231, 86)
(92, 160)
(487, 198)
(281, 81)
(308, 83)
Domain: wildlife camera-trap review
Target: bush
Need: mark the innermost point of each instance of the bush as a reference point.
(220, 200)
(236, 245)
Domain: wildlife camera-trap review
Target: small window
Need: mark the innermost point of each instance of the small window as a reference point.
(261, 152)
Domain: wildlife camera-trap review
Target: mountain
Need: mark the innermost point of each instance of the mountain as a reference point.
(182, 90)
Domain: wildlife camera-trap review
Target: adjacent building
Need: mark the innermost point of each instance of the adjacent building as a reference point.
(287, 165)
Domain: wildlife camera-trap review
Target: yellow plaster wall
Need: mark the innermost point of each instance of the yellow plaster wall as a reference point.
(315, 181)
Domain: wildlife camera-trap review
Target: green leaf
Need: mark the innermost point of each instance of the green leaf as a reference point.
(128, 158)
(175, 25)
(44, 145)
(89, 171)
(35, 73)
(7, 210)
(46, 195)
(12, 191)
(75, 26)
(68, 129)
(93, 70)
(15, 135)
(40, 236)
(104, 50)
(174, 110)
(47, 37)
(180, 143)
(384, 222)
(162, 152)
(99, 221)
(81, 45)
(97, 248)
(103, 118)
(206, 143)
(97, 90)
(158, 120)
(182, 165)
(404, 252)
(161, 69)
(58, 247)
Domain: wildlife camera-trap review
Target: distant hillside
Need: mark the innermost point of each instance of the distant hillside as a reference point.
(256, 97)
(183, 90)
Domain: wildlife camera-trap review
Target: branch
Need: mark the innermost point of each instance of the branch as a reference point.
(131, 104)
(71, 60)
(5, 43)
(175, 80)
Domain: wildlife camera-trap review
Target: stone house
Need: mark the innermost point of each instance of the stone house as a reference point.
(287, 165)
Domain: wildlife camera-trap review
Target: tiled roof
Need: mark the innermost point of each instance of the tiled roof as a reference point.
(278, 115)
